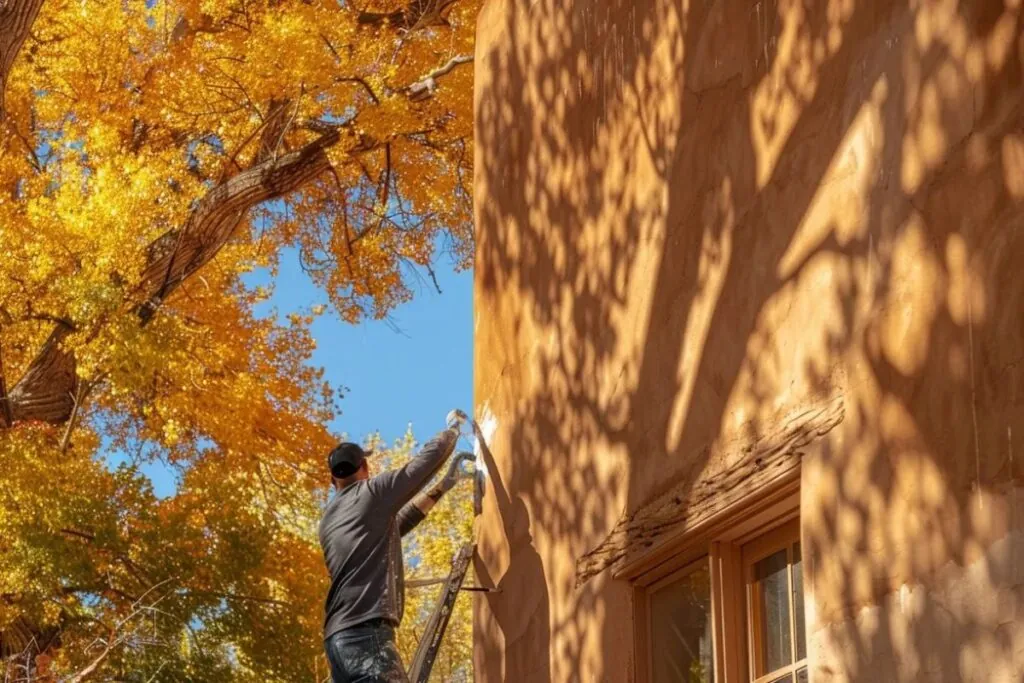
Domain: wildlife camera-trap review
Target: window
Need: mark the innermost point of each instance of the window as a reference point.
(775, 607)
(680, 627)
(733, 615)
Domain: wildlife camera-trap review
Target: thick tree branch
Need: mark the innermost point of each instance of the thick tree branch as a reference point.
(21, 635)
(418, 14)
(5, 407)
(47, 390)
(274, 127)
(16, 18)
(180, 253)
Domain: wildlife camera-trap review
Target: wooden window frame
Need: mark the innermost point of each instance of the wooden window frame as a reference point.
(783, 537)
(643, 611)
(721, 545)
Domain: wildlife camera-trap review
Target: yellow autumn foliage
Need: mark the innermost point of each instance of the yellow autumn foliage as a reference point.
(155, 154)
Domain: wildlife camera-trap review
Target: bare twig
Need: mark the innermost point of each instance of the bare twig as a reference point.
(118, 634)
(359, 81)
(78, 397)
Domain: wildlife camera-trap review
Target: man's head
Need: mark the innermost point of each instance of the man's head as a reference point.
(347, 463)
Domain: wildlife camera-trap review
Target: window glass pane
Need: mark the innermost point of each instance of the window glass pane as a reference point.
(681, 631)
(801, 676)
(798, 604)
(772, 595)
(788, 678)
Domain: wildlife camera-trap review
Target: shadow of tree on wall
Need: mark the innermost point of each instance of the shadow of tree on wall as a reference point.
(693, 218)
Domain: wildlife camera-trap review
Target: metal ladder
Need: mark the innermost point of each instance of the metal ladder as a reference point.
(433, 635)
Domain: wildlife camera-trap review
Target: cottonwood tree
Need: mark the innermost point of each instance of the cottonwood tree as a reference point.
(153, 154)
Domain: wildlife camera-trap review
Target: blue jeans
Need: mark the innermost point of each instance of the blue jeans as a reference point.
(365, 654)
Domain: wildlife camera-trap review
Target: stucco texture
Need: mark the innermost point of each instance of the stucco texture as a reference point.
(698, 219)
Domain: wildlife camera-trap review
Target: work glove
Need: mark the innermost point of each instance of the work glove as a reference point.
(455, 419)
(455, 471)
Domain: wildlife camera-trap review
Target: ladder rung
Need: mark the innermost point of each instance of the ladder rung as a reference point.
(423, 583)
(433, 634)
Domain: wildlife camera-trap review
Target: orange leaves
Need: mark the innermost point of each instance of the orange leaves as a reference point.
(124, 121)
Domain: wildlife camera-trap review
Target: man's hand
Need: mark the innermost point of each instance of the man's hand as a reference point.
(455, 471)
(455, 419)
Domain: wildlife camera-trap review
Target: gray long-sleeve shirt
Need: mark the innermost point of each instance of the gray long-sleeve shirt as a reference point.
(359, 534)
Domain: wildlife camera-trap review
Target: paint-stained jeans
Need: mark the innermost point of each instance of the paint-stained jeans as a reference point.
(365, 654)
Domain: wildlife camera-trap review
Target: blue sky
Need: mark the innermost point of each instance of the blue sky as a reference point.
(410, 370)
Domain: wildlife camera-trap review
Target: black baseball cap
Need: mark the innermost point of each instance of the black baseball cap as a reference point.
(346, 458)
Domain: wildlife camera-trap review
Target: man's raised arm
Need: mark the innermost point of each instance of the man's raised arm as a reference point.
(396, 487)
(415, 511)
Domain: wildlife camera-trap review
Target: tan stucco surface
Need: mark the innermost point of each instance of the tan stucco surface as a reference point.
(697, 219)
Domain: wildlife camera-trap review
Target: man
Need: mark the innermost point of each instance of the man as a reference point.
(359, 534)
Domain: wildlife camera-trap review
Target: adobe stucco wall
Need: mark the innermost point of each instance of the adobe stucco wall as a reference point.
(697, 219)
